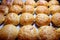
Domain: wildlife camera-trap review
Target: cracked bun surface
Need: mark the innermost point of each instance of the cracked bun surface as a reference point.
(42, 3)
(18, 2)
(2, 18)
(30, 2)
(26, 18)
(8, 32)
(53, 2)
(7, 2)
(47, 33)
(56, 19)
(27, 32)
(42, 9)
(15, 9)
(12, 18)
(54, 9)
(58, 32)
(4, 9)
(28, 8)
(42, 19)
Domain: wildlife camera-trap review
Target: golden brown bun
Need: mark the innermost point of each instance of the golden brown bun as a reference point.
(30, 2)
(15, 9)
(26, 18)
(42, 19)
(47, 33)
(12, 18)
(2, 18)
(12, 2)
(28, 8)
(42, 9)
(4, 9)
(8, 32)
(28, 32)
(7, 2)
(42, 3)
(58, 32)
(56, 19)
(54, 9)
(18, 2)
(53, 2)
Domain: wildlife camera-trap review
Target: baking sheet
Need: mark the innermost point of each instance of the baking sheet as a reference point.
(18, 26)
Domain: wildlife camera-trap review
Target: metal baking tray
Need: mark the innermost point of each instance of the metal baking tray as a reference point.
(18, 26)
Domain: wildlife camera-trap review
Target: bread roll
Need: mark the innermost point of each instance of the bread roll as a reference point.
(42, 19)
(28, 9)
(26, 18)
(15, 9)
(42, 9)
(30, 2)
(8, 32)
(54, 9)
(56, 19)
(47, 33)
(28, 32)
(12, 18)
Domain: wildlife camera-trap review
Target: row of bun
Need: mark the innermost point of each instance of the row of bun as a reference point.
(16, 8)
(27, 18)
(30, 2)
(29, 9)
(29, 32)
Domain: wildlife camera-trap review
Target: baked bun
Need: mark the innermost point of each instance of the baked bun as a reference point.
(28, 32)
(42, 9)
(2, 18)
(18, 2)
(7, 2)
(12, 18)
(58, 32)
(26, 18)
(12, 2)
(42, 19)
(47, 33)
(16, 9)
(54, 9)
(4, 9)
(30, 2)
(56, 19)
(42, 3)
(53, 2)
(8, 32)
(28, 8)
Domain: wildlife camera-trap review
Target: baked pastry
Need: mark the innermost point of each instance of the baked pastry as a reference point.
(15, 9)
(47, 33)
(2, 18)
(7, 2)
(42, 3)
(47, 0)
(42, 19)
(56, 19)
(12, 2)
(8, 32)
(28, 8)
(12, 18)
(42, 9)
(58, 32)
(28, 32)
(18, 2)
(54, 9)
(53, 2)
(30, 2)
(26, 18)
(4, 9)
